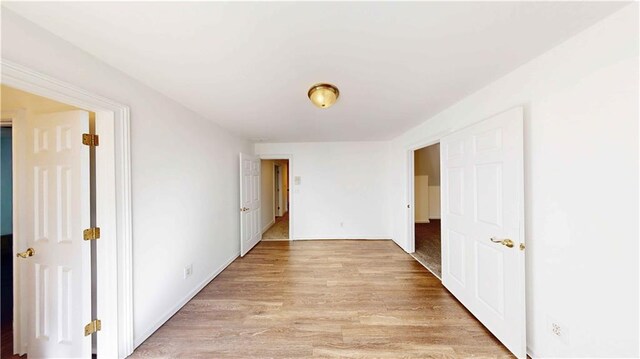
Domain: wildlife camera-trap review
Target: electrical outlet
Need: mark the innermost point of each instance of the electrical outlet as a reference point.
(558, 330)
(188, 270)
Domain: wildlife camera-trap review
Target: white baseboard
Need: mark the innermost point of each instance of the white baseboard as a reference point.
(365, 238)
(173, 310)
(421, 221)
(434, 217)
(275, 240)
(266, 228)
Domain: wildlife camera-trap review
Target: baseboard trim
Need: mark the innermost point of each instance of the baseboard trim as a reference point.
(266, 228)
(275, 240)
(421, 221)
(434, 217)
(181, 303)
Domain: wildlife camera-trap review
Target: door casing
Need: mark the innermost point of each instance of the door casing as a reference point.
(113, 209)
(410, 189)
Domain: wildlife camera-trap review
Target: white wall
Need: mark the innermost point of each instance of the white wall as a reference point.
(184, 175)
(581, 109)
(427, 163)
(421, 200)
(266, 194)
(434, 202)
(341, 182)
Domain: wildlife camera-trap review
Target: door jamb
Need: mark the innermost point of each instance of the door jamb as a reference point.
(276, 191)
(8, 118)
(113, 194)
(289, 180)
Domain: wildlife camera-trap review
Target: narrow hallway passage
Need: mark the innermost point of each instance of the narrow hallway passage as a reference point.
(279, 230)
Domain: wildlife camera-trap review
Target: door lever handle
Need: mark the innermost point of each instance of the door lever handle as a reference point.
(505, 242)
(28, 253)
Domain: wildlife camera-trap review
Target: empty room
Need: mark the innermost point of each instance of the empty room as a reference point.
(320, 179)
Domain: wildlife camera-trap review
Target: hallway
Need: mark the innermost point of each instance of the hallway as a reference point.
(334, 298)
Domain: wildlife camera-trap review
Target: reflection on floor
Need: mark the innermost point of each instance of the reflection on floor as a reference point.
(279, 230)
(428, 246)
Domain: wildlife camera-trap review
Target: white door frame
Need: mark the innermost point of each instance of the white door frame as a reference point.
(113, 197)
(410, 198)
(289, 180)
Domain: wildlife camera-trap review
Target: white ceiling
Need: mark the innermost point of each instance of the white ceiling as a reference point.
(248, 66)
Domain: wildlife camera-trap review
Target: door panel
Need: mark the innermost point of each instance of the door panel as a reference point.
(250, 230)
(58, 280)
(483, 191)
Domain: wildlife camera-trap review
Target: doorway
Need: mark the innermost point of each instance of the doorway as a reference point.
(6, 224)
(275, 217)
(113, 198)
(43, 225)
(482, 228)
(427, 232)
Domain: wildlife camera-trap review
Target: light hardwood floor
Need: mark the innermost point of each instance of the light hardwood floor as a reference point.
(350, 299)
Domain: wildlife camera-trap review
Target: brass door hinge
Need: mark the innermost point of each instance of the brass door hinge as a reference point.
(522, 246)
(93, 327)
(90, 140)
(91, 233)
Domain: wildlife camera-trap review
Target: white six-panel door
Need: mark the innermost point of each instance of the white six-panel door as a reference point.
(58, 281)
(250, 229)
(482, 208)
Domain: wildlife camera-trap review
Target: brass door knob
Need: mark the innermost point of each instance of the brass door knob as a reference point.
(28, 253)
(505, 242)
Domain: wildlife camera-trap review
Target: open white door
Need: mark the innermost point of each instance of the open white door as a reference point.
(57, 289)
(483, 224)
(249, 202)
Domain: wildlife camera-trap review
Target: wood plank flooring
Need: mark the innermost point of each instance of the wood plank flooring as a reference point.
(348, 299)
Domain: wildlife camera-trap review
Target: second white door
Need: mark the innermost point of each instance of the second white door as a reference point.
(250, 231)
(483, 224)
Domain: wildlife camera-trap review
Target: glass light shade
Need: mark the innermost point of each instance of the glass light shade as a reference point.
(323, 95)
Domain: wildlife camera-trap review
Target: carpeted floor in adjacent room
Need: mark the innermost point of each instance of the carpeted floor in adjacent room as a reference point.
(428, 246)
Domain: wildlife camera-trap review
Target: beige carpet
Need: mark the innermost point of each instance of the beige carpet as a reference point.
(279, 230)
(428, 245)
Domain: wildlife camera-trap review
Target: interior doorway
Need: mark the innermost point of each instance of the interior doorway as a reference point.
(275, 217)
(427, 226)
(6, 224)
(43, 225)
(113, 198)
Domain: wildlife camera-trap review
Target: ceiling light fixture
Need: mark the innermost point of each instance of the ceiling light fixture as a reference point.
(323, 95)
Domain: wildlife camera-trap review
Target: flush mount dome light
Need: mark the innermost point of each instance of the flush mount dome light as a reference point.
(323, 95)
